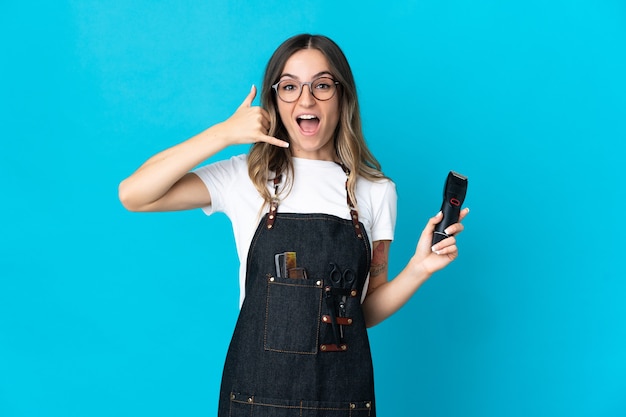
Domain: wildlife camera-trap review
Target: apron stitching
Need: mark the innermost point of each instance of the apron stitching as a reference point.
(267, 321)
(302, 407)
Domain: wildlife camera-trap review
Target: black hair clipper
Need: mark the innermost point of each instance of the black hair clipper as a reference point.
(453, 196)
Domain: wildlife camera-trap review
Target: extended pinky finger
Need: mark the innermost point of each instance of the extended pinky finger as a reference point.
(274, 141)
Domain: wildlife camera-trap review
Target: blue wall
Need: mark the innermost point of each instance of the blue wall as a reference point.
(105, 312)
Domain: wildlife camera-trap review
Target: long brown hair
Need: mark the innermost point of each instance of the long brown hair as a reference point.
(352, 151)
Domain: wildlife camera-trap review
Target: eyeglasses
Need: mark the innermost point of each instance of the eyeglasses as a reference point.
(322, 88)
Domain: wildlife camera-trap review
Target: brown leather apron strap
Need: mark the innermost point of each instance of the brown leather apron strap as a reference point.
(271, 215)
(354, 215)
(275, 201)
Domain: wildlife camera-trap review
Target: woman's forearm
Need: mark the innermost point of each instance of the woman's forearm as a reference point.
(392, 295)
(158, 174)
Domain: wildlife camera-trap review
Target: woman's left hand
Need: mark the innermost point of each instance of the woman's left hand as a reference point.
(433, 258)
(385, 297)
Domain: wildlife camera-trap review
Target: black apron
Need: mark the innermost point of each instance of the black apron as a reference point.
(300, 346)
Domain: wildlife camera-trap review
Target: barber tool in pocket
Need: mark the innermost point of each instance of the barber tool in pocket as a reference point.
(342, 286)
(286, 266)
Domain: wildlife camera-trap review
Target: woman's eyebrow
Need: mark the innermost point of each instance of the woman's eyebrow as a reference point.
(295, 77)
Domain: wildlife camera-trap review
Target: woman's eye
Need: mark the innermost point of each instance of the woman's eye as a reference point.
(323, 84)
(289, 87)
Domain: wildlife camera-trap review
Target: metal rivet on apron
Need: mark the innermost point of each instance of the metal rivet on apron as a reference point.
(325, 319)
(250, 399)
(271, 279)
(353, 293)
(349, 321)
(272, 217)
(232, 396)
(323, 347)
(352, 406)
(368, 405)
(269, 226)
(360, 236)
(318, 283)
(344, 347)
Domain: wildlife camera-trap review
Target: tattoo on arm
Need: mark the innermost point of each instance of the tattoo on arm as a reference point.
(379, 260)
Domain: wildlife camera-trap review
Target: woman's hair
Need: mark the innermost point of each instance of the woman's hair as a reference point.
(350, 145)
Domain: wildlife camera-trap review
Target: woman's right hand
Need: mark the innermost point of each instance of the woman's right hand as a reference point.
(249, 124)
(164, 183)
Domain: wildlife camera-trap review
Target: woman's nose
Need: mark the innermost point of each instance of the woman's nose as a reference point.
(306, 97)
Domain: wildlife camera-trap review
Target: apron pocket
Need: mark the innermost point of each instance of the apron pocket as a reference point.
(292, 315)
(252, 406)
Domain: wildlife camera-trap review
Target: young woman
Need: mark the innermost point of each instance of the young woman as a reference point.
(313, 218)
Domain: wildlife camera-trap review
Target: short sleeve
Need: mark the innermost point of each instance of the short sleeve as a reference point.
(219, 178)
(384, 210)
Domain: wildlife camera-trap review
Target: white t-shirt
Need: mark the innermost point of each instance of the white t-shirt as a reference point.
(318, 187)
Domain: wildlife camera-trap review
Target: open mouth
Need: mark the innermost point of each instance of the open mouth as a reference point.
(308, 123)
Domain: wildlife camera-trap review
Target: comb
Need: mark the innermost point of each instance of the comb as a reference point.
(290, 260)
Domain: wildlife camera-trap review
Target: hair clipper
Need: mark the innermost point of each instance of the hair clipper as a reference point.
(453, 197)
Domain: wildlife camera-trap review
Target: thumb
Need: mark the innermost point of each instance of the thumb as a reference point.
(250, 98)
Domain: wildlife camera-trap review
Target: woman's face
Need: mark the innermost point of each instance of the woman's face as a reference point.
(310, 122)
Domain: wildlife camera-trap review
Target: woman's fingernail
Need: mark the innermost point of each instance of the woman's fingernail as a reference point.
(435, 251)
(438, 213)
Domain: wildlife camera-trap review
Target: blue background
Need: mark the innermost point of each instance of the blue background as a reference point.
(109, 313)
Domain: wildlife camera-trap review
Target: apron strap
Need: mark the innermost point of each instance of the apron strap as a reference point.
(271, 215)
(354, 215)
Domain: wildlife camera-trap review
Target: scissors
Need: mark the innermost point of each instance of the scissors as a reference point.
(344, 281)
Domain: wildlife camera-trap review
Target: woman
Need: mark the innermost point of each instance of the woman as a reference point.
(313, 218)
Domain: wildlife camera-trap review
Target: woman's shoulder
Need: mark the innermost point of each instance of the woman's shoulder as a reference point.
(231, 165)
(375, 184)
(376, 193)
(236, 161)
